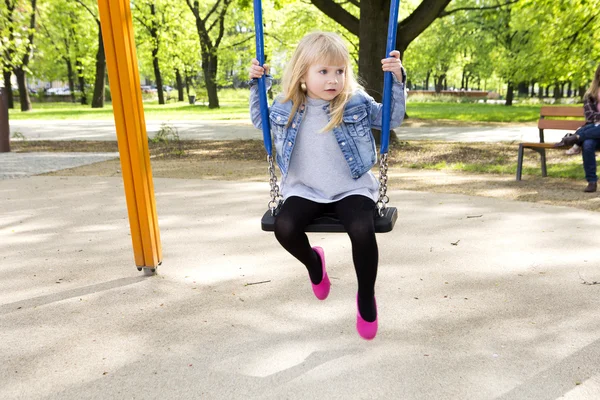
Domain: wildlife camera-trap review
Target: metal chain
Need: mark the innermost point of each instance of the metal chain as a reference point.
(383, 178)
(275, 196)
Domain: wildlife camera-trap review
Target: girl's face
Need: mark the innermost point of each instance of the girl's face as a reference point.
(325, 81)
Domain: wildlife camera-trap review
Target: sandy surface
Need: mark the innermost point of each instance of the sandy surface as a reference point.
(553, 191)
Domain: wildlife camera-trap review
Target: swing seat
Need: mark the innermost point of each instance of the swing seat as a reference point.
(328, 222)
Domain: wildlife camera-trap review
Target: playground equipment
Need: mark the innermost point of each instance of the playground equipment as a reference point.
(121, 59)
(386, 216)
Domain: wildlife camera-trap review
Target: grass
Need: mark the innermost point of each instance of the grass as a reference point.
(474, 112)
(484, 158)
(234, 106)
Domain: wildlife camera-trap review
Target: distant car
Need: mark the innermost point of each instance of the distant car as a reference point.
(167, 88)
(58, 91)
(148, 89)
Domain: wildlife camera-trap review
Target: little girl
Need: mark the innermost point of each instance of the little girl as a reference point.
(321, 125)
(588, 136)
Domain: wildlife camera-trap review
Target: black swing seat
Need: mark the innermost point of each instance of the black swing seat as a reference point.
(328, 222)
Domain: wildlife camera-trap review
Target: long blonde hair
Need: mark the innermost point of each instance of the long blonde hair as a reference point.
(595, 87)
(318, 48)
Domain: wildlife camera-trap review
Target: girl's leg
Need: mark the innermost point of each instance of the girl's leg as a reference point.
(589, 159)
(295, 214)
(589, 131)
(356, 214)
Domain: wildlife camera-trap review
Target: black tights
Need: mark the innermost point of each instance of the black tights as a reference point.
(356, 214)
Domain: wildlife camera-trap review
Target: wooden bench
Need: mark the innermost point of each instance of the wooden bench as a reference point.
(544, 123)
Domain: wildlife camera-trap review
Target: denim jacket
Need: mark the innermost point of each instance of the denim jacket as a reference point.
(353, 135)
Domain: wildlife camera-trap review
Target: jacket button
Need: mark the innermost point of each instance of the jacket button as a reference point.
(289, 144)
(278, 118)
(294, 126)
(343, 143)
(350, 159)
(355, 117)
(302, 107)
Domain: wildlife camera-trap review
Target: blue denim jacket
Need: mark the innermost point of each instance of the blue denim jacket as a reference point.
(353, 135)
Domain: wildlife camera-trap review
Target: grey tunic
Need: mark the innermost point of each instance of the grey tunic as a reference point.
(318, 170)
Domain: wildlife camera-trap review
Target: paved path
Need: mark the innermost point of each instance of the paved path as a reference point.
(14, 165)
(18, 165)
(501, 315)
(226, 130)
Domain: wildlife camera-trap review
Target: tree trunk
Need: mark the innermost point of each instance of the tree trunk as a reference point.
(158, 77)
(556, 91)
(582, 90)
(569, 90)
(509, 94)
(23, 92)
(372, 40)
(179, 80)
(71, 79)
(439, 83)
(98, 99)
(81, 80)
(4, 125)
(187, 85)
(540, 92)
(522, 89)
(209, 67)
(427, 80)
(532, 89)
(372, 48)
(8, 86)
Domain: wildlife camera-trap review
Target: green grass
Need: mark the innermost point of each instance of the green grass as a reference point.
(572, 170)
(234, 106)
(474, 112)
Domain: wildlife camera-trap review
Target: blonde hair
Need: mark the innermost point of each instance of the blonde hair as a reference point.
(318, 48)
(595, 86)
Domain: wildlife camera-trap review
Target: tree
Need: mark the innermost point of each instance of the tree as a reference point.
(66, 44)
(372, 38)
(147, 15)
(18, 31)
(210, 19)
(98, 96)
(7, 45)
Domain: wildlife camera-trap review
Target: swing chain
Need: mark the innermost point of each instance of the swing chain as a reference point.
(383, 178)
(275, 196)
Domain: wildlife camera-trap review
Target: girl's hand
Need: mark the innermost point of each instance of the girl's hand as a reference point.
(256, 71)
(393, 64)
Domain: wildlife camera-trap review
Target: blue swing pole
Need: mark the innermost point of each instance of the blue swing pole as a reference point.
(262, 85)
(387, 78)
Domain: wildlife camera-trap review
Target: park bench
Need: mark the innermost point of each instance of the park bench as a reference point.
(546, 123)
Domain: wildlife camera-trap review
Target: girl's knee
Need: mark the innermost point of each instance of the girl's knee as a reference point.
(589, 144)
(284, 229)
(361, 232)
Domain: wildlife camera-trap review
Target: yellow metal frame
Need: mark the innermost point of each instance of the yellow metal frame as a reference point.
(123, 74)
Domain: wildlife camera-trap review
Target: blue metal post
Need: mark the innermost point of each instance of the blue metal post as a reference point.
(262, 86)
(387, 79)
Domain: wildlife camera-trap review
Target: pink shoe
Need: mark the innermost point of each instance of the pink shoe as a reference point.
(322, 289)
(366, 330)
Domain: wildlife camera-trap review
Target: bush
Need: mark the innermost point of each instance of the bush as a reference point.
(166, 142)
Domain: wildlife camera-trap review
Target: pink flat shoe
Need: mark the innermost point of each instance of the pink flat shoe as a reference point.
(366, 330)
(322, 289)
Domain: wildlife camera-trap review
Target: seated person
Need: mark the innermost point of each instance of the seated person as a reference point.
(588, 136)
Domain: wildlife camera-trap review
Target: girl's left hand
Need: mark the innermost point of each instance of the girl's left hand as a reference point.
(393, 64)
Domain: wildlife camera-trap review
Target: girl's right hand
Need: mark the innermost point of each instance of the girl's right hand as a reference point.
(256, 71)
